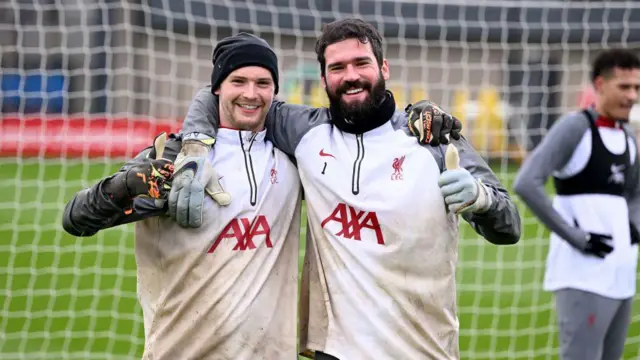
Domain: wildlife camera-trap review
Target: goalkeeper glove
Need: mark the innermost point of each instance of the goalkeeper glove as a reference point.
(431, 125)
(591, 243)
(148, 178)
(194, 176)
(461, 191)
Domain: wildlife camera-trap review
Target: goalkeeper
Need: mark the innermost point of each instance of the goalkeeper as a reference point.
(227, 290)
(379, 272)
(594, 217)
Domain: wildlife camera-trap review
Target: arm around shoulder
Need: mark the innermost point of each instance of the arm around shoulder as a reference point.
(286, 124)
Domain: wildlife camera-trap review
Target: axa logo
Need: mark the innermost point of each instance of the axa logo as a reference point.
(245, 232)
(352, 224)
(397, 168)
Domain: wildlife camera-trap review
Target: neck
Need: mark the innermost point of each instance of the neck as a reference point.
(602, 111)
(376, 117)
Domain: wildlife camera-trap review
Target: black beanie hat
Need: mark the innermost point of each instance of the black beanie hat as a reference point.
(242, 50)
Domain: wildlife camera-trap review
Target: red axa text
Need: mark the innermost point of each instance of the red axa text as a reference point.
(244, 231)
(353, 221)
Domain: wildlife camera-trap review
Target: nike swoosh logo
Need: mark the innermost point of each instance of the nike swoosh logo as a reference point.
(322, 153)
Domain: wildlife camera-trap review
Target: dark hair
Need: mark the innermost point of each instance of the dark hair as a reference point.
(344, 29)
(608, 60)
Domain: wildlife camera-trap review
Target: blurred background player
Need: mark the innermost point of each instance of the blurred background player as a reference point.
(379, 272)
(594, 217)
(229, 288)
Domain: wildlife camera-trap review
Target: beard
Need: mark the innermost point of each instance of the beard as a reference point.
(358, 111)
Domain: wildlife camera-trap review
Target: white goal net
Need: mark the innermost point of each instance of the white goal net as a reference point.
(88, 83)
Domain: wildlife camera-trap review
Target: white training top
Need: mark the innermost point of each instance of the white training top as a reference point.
(227, 290)
(377, 280)
(615, 275)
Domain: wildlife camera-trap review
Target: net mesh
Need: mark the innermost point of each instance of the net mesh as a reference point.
(86, 84)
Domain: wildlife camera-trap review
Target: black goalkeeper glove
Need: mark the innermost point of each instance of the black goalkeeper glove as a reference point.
(635, 236)
(149, 178)
(597, 245)
(431, 125)
(593, 244)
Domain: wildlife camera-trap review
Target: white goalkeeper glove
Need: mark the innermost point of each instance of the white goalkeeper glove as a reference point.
(461, 191)
(193, 177)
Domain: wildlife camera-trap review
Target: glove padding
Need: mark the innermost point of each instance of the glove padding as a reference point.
(194, 176)
(151, 176)
(431, 125)
(462, 192)
(593, 244)
(635, 236)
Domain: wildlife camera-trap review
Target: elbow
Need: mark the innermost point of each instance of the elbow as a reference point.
(511, 230)
(67, 222)
(510, 237)
(520, 186)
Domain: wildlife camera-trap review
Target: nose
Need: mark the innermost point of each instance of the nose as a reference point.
(351, 74)
(250, 92)
(633, 94)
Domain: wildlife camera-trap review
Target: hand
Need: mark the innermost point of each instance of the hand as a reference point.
(194, 175)
(462, 192)
(592, 243)
(597, 245)
(635, 236)
(150, 177)
(431, 125)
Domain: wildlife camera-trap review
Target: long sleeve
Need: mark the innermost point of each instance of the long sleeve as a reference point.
(552, 154)
(286, 124)
(91, 210)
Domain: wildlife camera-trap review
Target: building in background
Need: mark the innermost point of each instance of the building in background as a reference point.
(505, 72)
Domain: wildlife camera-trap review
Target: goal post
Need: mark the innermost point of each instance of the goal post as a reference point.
(85, 85)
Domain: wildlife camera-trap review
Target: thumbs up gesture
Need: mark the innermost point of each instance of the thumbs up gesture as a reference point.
(461, 191)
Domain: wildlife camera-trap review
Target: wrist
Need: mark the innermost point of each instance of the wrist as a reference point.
(484, 200)
(206, 140)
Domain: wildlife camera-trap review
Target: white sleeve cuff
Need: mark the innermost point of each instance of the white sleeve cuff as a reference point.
(203, 138)
(484, 200)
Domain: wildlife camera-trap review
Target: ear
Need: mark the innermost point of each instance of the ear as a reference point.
(217, 92)
(324, 82)
(598, 83)
(385, 69)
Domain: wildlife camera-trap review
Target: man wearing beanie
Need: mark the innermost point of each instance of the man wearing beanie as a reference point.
(227, 289)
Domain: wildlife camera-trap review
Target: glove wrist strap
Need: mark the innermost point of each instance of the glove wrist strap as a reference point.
(199, 137)
(484, 201)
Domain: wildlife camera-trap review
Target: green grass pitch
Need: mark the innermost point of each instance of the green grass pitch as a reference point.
(74, 298)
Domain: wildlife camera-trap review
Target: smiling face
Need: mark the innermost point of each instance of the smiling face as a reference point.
(617, 92)
(353, 78)
(245, 97)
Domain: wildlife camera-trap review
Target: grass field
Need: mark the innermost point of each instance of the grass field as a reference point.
(74, 298)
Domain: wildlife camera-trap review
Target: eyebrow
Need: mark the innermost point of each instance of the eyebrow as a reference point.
(359, 58)
(237, 77)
